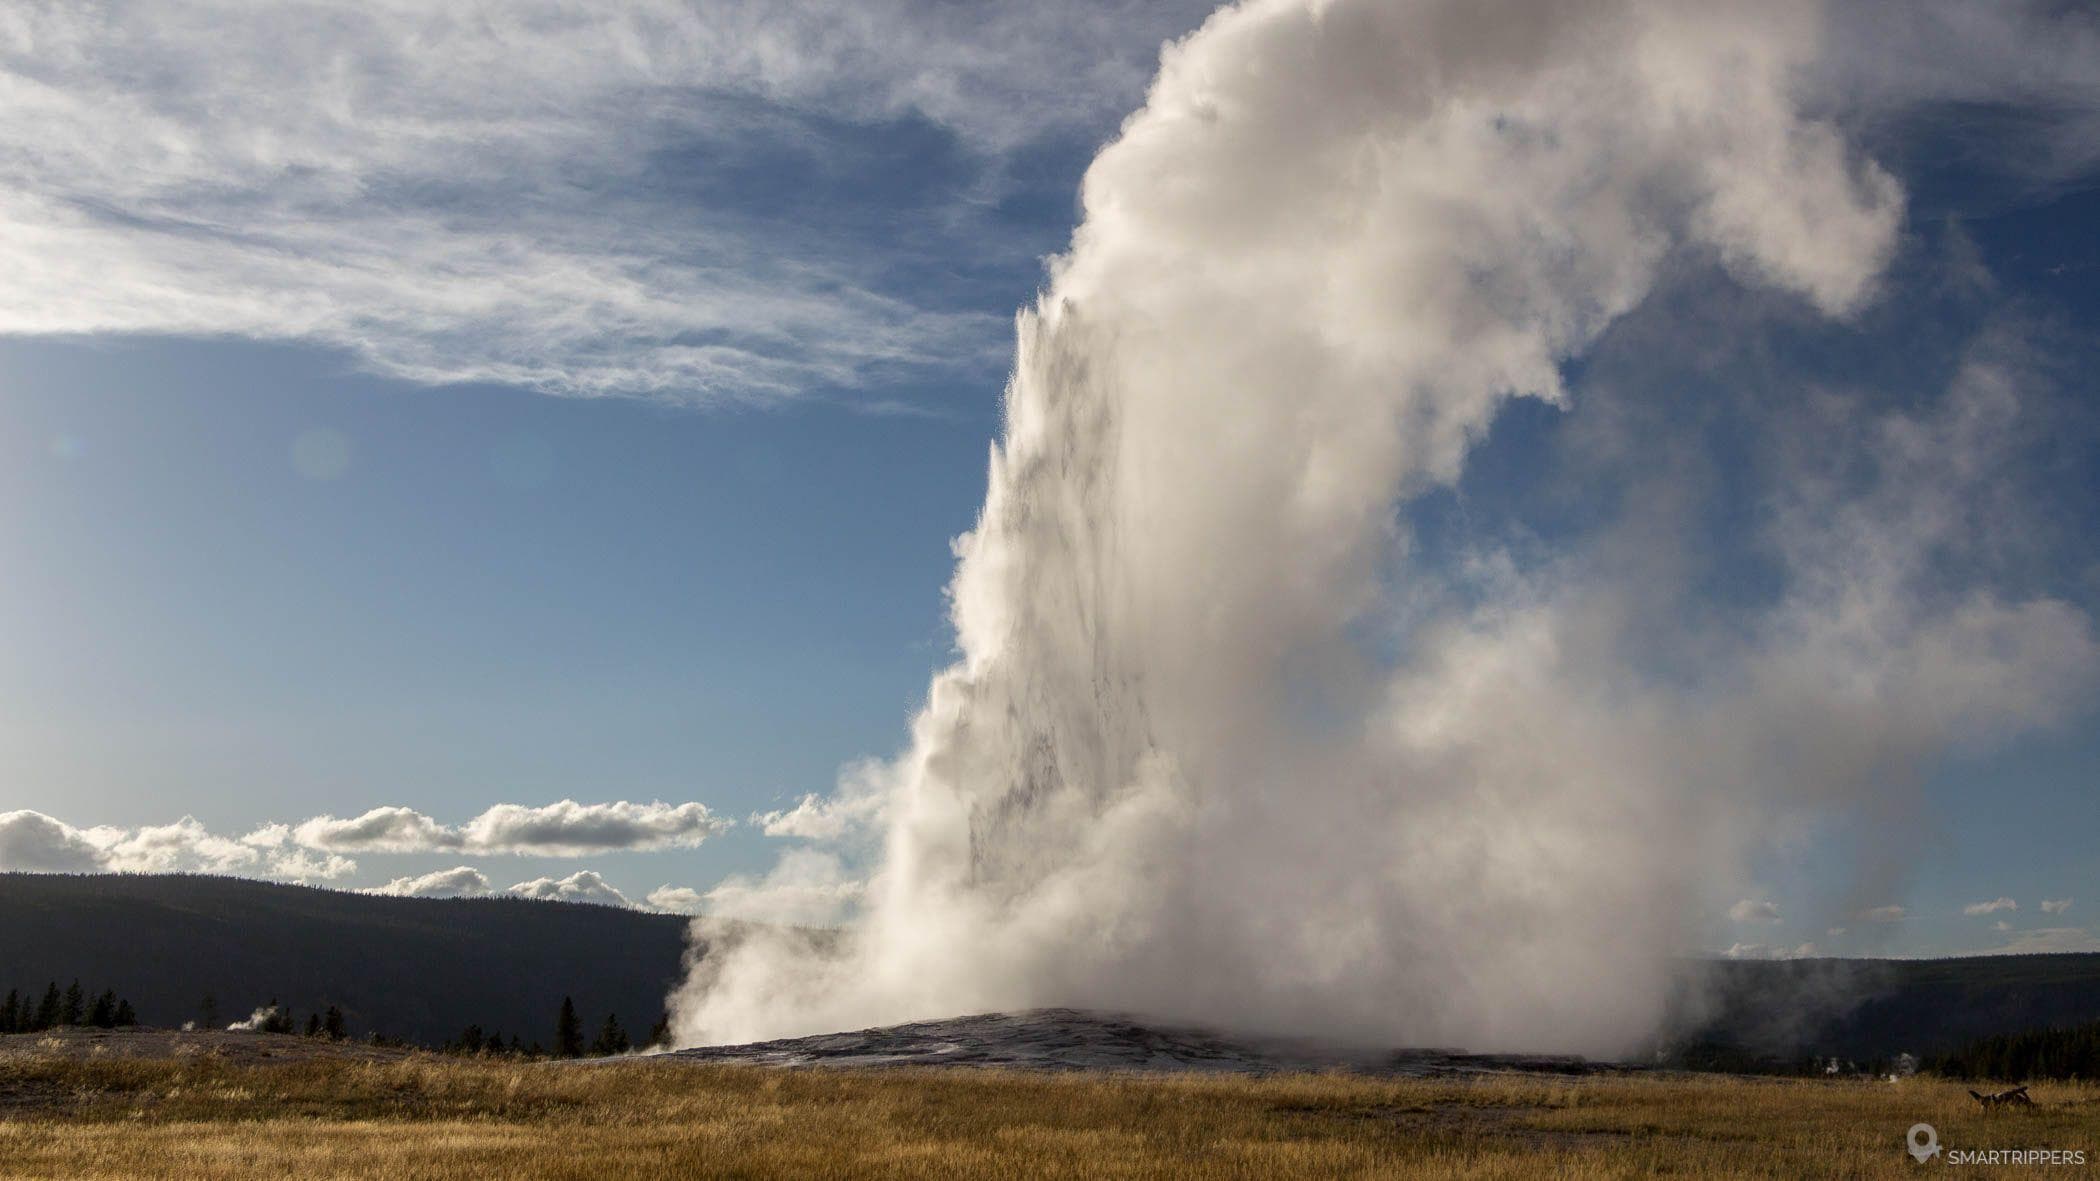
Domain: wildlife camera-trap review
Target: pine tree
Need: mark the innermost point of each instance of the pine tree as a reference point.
(208, 1011)
(277, 1020)
(332, 1025)
(568, 1031)
(660, 1033)
(76, 1006)
(48, 1009)
(611, 1038)
(11, 1012)
(313, 1025)
(103, 1013)
(125, 1014)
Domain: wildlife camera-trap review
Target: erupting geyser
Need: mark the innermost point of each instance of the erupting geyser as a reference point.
(1211, 750)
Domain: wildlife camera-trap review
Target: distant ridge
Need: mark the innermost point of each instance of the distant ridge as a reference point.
(424, 969)
(1765, 1014)
(415, 968)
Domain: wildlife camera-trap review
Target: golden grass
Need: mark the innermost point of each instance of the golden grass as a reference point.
(432, 1117)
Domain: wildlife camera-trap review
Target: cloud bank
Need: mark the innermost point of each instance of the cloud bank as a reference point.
(314, 850)
(561, 829)
(1221, 744)
(34, 842)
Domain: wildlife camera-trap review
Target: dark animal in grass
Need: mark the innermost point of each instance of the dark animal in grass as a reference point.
(2017, 1097)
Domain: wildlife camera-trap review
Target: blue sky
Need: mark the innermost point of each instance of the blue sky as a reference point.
(609, 446)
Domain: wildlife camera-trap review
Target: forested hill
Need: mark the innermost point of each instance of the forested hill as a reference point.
(1767, 1014)
(421, 969)
(425, 969)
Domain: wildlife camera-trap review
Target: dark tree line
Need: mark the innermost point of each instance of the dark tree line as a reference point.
(2065, 1053)
(25, 1013)
(20, 1014)
(569, 1040)
(277, 1019)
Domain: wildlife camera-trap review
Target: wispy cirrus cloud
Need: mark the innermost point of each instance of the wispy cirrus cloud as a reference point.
(2049, 940)
(585, 200)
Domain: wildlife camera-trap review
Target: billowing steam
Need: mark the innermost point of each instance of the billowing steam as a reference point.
(257, 1022)
(1216, 747)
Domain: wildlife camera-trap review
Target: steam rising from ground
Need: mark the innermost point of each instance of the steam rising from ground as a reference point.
(1216, 747)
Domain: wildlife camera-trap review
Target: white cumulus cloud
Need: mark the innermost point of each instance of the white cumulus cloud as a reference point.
(565, 828)
(582, 886)
(1762, 951)
(2055, 905)
(676, 899)
(390, 829)
(461, 881)
(1754, 910)
(36, 842)
(1992, 907)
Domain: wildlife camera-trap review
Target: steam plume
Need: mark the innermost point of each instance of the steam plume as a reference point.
(1215, 747)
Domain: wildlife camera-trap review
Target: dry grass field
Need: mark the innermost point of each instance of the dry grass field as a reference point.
(205, 1115)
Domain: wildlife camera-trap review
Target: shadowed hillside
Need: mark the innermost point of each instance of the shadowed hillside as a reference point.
(424, 969)
(1761, 1014)
(416, 968)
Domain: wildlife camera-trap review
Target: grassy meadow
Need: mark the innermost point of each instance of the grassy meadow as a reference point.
(427, 1116)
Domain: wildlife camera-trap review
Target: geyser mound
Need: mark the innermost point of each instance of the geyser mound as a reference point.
(1072, 1039)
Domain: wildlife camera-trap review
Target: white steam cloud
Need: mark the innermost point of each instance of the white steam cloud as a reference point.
(806, 889)
(254, 1022)
(1215, 748)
